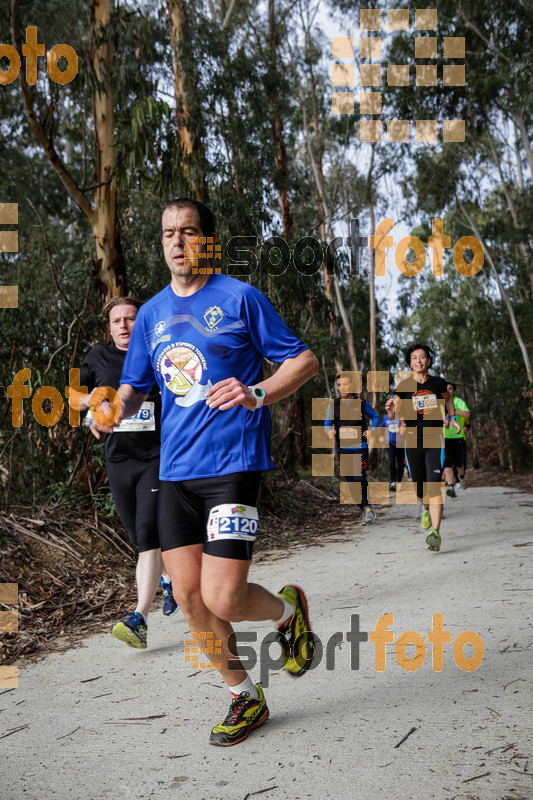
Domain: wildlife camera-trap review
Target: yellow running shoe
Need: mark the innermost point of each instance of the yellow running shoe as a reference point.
(425, 520)
(295, 636)
(133, 630)
(245, 713)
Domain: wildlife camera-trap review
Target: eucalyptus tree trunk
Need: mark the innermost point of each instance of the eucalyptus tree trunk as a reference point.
(104, 223)
(102, 216)
(373, 345)
(277, 128)
(192, 152)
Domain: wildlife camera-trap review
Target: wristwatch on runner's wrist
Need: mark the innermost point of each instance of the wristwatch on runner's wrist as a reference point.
(259, 396)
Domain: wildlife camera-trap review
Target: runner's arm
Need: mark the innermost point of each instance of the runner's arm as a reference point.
(374, 420)
(79, 400)
(130, 402)
(292, 374)
(450, 411)
(397, 409)
(328, 422)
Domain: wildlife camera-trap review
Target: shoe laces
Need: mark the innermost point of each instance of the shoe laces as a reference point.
(134, 618)
(237, 709)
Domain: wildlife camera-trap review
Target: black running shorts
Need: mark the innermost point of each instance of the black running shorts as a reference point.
(455, 453)
(184, 508)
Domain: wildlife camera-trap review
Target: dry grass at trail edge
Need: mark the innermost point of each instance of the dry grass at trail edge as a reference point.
(76, 575)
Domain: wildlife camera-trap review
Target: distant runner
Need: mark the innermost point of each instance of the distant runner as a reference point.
(420, 404)
(203, 339)
(132, 465)
(351, 433)
(455, 445)
(396, 454)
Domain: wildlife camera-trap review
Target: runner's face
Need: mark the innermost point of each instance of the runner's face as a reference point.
(450, 389)
(344, 386)
(121, 320)
(419, 361)
(180, 226)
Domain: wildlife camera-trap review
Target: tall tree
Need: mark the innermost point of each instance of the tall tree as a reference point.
(102, 216)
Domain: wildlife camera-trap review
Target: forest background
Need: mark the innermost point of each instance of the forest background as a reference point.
(231, 102)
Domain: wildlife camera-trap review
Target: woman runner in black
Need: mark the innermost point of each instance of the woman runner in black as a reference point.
(132, 464)
(422, 402)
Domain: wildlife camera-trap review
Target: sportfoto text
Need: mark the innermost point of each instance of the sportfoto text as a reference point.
(308, 253)
(380, 636)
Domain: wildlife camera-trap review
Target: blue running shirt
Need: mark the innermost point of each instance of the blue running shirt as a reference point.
(190, 343)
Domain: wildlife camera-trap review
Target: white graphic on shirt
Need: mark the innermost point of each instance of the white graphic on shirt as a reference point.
(159, 328)
(181, 365)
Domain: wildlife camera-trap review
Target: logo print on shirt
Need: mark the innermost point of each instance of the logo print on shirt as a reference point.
(213, 316)
(181, 365)
(159, 328)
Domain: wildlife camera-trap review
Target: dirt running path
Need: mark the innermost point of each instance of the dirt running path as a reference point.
(104, 721)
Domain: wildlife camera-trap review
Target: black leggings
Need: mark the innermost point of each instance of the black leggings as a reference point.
(425, 465)
(135, 488)
(360, 466)
(396, 463)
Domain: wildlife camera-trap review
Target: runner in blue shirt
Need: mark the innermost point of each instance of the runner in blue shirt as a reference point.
(203, 339)
(396, 454)
(344, 432)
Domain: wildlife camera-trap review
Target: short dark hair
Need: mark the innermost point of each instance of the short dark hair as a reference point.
(206, 217)
(419, 346)
(453, 385)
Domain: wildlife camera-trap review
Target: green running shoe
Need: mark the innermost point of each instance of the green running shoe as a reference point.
(433, 540)
(133, 630)
(425, 520)
(295, 636)
(245, 713)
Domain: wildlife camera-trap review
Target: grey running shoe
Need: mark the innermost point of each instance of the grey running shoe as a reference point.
(368, 515)
(450, 491)
(433, 540)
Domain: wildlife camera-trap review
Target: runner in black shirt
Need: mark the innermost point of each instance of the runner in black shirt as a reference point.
(132, 464)
(421, 404)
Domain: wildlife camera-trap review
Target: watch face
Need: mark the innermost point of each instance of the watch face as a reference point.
(259, 392)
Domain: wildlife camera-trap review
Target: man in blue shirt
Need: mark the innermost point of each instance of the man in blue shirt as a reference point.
(351, 436)
(396, 454)
(204, 338)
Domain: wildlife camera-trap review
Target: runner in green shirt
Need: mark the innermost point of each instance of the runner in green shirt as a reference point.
(455, 445)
